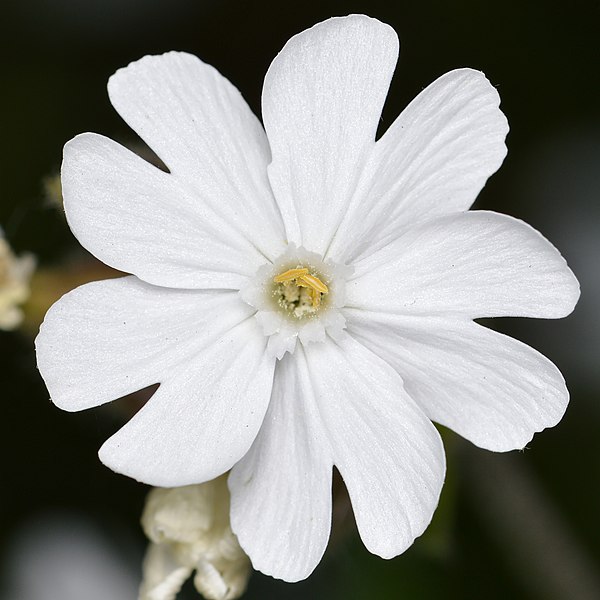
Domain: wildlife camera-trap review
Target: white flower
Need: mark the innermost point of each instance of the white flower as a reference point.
(189, 531)
(15, 273)
(280, 383)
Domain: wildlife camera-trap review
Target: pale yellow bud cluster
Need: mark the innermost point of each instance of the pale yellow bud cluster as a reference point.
(189, 531)
(15, 273)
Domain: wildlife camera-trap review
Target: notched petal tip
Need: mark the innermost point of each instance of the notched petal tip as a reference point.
(388, 547)
(343, 27)
(110, 457)
(362, 20)
(116, 454)
(359, 23)
(47, 348)
(556, 394)
(476, 84)
(351, 20)
(561, 280)
(483, 89)
(572, 291)
(149, 60)
(83, 144)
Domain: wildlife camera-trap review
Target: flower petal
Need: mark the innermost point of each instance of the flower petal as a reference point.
(200, 126)
(281, 490)
(388, 452)
(203, 419)
(434, 159)
(322, 99)
(109, 338)
(491, 389)
(476, 263)
(136, 218)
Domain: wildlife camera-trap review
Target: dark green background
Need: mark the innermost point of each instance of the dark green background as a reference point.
(524, 525)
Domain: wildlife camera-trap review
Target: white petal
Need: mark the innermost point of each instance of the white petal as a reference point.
(434, 159)
(491, 389)
(476, 263)
(163, 575)
(200, 126)
(388, 452)
(322, 99)
(203, 419)
(140, 220)
(109, 338)
(281, 490)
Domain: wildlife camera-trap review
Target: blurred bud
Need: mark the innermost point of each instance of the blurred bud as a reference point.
(53, 191)
(49, 283)
(189, 531)
(15, 273)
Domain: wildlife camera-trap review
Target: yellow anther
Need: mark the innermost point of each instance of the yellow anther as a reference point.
(313, 282)
(290, 275)
(302, 278)
(315, 297)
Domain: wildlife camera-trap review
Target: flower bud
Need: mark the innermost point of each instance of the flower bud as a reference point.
(15, 273)
(189, 531)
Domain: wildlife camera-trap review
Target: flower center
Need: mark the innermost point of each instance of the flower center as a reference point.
(297, 297)
(298, 292)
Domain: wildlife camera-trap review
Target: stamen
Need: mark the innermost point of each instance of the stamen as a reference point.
(290, 275)
(302, 278)
(313, 282)
(316, 298)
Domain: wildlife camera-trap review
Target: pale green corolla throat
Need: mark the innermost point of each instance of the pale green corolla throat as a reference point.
(298, 292)
(297, 297)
